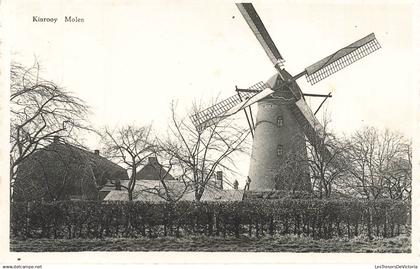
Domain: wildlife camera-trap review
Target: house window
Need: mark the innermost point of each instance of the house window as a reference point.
(279, 150)
(280, 121)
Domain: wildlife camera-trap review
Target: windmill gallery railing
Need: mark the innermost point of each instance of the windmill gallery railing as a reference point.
(254, 218)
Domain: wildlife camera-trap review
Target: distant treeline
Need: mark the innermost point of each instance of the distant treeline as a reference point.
(311, 217)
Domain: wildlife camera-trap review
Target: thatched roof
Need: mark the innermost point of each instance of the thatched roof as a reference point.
(61, 171)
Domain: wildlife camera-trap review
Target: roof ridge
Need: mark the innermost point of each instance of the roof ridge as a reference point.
(84, 151)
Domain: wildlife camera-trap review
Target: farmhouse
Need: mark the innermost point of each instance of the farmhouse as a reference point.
(155, 184)
(61, 171)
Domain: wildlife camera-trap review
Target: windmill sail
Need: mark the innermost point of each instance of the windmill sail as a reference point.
(342, 58)
(229, 106)
(251, 17)
(313, 130)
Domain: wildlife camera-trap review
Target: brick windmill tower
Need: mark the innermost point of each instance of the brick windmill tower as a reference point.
(284, 120)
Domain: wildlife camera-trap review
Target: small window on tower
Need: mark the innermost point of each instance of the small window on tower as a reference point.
(280, 121)
(279, 150)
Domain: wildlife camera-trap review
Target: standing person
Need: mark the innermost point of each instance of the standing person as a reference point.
(248, 182)
(235, 184)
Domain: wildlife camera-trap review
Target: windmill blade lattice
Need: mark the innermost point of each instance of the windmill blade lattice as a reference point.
(213, 114)
(342, 58)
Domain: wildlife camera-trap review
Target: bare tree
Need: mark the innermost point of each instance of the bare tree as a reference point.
(129, 145)
(398, 175)
(380, 164)
(326, 169)
(196, 154)
(39, 111)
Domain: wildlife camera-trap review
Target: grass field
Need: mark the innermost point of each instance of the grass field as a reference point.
(267, 244)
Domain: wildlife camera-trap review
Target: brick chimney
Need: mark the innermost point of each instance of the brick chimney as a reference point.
(118, 185)
(96, 151)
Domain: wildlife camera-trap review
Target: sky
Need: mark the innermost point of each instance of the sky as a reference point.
(129, 59)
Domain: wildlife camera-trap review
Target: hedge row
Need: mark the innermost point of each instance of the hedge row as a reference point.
(311, 217)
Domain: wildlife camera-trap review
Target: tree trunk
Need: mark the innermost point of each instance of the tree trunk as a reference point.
(385, 224)
(237, 222)
(250, 227)
(217, 220)
(271, 227)
(211, 221)
(369, 224)
(132, 182)
(338, 229)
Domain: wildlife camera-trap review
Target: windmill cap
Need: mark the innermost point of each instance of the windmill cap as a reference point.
(271, 82)
(278, 78)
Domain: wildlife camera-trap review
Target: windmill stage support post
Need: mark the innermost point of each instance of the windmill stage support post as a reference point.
(252, 118)
(246, 115)
(325, 99)
(249, 108)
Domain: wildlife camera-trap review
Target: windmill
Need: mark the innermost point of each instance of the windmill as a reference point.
(284, 118)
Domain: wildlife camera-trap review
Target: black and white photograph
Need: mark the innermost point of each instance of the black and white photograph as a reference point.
(210, 128)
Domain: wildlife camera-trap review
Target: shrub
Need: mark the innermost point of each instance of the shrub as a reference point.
(305, 217)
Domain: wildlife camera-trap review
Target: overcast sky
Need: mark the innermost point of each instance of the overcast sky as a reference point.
(129, 59)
